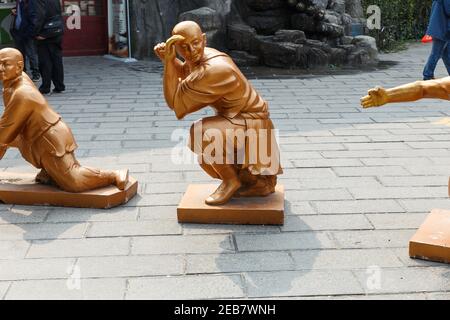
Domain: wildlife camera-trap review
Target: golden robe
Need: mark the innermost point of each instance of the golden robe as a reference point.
(217, 82)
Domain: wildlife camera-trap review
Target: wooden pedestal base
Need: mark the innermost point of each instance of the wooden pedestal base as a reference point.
(17, 188)
(259, 210)
(432, 240)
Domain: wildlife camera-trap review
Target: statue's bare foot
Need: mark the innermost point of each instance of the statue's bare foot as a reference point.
(121, 179)
(224, 192)
(43, 178)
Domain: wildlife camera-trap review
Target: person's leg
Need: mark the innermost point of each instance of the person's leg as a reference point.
(436, 54)
(45, 67)
(21, 46)
(31, 50)
(58, 67)
(446, 57)
(67, 173)
(206, 144)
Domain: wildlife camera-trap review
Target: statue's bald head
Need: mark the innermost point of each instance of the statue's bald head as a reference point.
(187, 28)
(11, 63)
(12, 54)
(193, 46)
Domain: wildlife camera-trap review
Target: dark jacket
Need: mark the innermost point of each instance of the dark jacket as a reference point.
(440, 20)
(45, 9)
(27, 27)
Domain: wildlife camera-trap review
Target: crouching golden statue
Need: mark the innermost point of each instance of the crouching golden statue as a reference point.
(238, 144)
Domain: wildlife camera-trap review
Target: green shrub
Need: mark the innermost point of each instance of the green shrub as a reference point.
(401, 20)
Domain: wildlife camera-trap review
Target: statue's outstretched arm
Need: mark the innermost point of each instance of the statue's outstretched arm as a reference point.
(436, 89)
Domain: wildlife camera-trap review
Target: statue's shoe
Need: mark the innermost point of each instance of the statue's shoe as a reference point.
(224, 193)
(43, 178)
(122, 177)
(254, 192)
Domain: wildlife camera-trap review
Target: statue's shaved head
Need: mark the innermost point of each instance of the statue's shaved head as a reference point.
(192, 47)
(12, 54)
(11, 64)
(187, 29)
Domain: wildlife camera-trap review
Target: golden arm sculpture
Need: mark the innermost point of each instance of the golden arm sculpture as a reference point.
(435, 89)
(207, 77)
(42, 137)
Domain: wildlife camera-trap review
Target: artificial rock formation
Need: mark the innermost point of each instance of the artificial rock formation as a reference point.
(278, 33)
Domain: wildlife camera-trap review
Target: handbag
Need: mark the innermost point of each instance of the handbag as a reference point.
(53, 27)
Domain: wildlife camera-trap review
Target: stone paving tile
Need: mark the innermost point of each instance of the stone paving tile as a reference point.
(373, 238)
(397, 220)
(398, 280)
(345, 259)
(327, 222)
(32, 269)
(133, 228)
(357, 206)
(13, 249)
(197, 229)
(4, 288)
(187, 287)
(35, 231)
(88, 215)
(301, 283)
(130, 266)
(416, 205)
(238, 262)
(79, 248)
(87, 289)
(284, 241)
(399, 192)
(182, 244)
(17, 216)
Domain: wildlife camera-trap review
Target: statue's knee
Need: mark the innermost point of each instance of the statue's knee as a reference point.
(196, 137)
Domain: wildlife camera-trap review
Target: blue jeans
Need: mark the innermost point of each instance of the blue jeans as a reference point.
(440, 50)
(27, 47)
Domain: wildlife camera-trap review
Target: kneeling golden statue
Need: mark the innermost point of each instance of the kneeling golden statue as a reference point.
(44, 140)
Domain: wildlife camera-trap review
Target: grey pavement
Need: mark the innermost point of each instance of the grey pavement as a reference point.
(359, 183)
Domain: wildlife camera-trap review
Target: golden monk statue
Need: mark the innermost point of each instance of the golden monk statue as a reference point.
(207, 77)
(437, 89)
(44, 140)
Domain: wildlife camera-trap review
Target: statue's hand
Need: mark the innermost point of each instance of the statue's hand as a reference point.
(170, 52)
(160, 50)
(376, 98)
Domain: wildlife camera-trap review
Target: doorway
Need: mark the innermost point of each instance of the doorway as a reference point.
(92, 37)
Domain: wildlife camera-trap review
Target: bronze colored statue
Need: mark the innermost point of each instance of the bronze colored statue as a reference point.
(44, 140)
(437, 89)
(207, 77)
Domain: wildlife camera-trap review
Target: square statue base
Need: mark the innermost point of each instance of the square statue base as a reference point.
(256, 210)
(432, 240)
(19, 188)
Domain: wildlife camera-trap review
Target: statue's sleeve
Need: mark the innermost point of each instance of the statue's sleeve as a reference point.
(203, 87)
(12, 121)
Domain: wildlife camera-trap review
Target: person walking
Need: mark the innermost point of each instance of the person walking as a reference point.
(439, 30)
(50, 29)
(23, 31)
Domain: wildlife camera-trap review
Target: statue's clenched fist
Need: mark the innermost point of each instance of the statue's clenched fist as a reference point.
(375, 98)
(166, 50)
(160, 50)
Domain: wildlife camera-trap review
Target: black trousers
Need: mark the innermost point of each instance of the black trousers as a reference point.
(51, 65)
